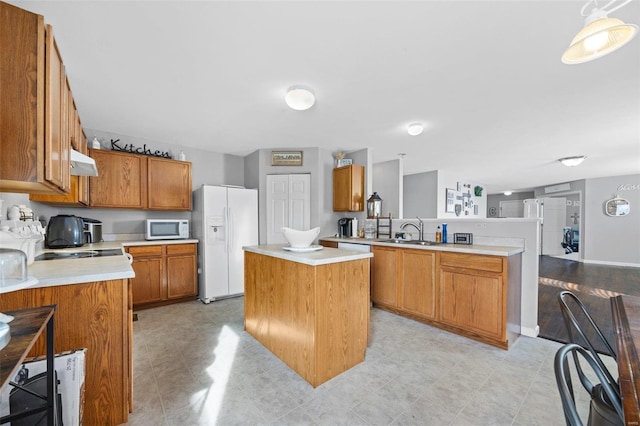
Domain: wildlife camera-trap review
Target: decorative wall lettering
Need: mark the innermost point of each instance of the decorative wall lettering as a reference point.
(138, 150)
(629, 187)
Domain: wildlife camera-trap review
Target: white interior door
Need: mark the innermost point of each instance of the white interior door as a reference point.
(299, 202)
(554, 215)
(288, 204)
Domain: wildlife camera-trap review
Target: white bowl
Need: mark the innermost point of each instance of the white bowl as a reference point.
(300, 239)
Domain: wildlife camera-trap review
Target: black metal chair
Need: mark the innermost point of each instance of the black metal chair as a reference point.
(578, 336)
(605, 408)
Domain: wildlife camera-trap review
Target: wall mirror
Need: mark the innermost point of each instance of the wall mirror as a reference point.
(617, 207)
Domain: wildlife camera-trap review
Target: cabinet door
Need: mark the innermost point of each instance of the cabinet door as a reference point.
(182, 277)
(384, 276)
(121, 181)
(473, 302)
(348, 189)
(418, 283)
(147, 286)
(169, 184)
(56, 137)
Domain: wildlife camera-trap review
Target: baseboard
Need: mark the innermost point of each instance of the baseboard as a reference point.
(530, 332)
(604, 262)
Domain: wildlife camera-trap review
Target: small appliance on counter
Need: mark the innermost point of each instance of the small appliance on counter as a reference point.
(463, 238)
(92, 230)
(344, 227)
(167, 229)
(65, 231)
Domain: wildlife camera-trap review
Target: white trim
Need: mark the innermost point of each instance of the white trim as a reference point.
(604, 262)
(530, 332)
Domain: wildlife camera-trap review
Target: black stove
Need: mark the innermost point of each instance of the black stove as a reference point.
(80, 254)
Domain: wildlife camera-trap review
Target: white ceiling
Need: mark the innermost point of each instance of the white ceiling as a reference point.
(484, 76)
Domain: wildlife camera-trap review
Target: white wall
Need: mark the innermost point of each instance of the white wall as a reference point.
(612, 240)
(387, 182)
(447, 179)
(421, 195)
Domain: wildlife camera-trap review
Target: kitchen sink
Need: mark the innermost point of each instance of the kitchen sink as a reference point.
(412, 242)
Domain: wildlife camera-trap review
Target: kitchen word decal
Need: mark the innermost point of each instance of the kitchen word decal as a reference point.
(138, 150)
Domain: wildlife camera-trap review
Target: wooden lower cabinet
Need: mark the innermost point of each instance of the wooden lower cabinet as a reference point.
(417, 287)
(165, 273)
(464, 293)
(94, 316)
(384, 276)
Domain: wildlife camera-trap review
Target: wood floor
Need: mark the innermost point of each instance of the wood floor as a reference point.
(593, 284)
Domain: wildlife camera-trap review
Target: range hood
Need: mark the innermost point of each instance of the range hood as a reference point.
(82, 165)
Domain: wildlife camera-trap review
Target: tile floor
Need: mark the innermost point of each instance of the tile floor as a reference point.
(195, 365)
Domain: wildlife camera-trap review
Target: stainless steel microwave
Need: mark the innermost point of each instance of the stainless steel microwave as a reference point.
(167, 229)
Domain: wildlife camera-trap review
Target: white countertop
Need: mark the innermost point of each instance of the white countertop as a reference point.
(314, 258)
(455, 248)
(82, 270)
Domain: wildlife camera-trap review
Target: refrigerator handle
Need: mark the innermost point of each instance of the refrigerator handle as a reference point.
(226, 227)
(230, 228)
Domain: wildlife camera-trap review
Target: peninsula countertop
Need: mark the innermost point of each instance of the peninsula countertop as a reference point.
(322, 256)
(454, 248)
(90, 269)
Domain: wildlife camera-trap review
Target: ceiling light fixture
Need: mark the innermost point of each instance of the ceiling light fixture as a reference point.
(601, 35)
(572, 161)
(414, 129)
(300, 98)
(507, 193)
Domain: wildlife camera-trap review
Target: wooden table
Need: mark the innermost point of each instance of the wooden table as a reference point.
(626, 319)
(26, 327)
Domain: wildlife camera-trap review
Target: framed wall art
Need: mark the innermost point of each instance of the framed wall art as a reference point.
(286, 158)
(451, 201)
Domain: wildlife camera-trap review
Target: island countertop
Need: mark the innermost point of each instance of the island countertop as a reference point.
(324, 256)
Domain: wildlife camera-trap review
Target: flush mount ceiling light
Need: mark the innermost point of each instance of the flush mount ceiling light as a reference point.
(601, 35)
(300, 98)
(572, 161)
(414, 129)
(507, 193)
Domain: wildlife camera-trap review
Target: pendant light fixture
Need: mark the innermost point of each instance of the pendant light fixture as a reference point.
(572, 161)
(300, 98)
(601, 35)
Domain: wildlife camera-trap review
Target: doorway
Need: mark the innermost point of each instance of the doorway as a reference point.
(572, 229)
(288, 204)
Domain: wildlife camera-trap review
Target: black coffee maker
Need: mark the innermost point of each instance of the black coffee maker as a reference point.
(344, 227)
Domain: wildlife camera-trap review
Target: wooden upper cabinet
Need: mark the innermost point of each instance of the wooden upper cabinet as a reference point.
(169, 184)
(78, 195)
(121, 180)
(56, 128)
(31, 160)
(133, 181)
(348, 188)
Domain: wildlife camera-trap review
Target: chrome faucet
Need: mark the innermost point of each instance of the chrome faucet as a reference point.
(419, 228)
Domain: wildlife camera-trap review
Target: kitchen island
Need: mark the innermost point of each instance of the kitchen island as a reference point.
(311, 309)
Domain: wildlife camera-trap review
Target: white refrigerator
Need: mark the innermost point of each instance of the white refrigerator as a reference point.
(552, 214)
(224, 219)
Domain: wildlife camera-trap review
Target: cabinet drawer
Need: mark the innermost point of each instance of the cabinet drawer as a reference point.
(472, 261)
(145, 250)
(181, 249)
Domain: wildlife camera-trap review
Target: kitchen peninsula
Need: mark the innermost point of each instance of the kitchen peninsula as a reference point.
(311, 309)
(93, 312)
(471, 290)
